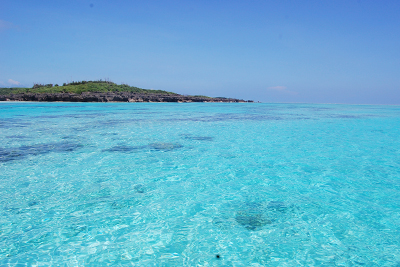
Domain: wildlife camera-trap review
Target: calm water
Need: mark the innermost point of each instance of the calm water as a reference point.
(162, 184)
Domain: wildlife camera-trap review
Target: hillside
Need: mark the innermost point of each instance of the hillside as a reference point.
(80, 87)
(99, 91)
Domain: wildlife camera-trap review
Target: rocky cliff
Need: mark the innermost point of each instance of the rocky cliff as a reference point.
(111, 97)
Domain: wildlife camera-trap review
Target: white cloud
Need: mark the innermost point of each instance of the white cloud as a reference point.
(12, 82)
(278, 88)
(282, 89)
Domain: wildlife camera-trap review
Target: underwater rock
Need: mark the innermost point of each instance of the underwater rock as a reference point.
(65, 147)
(17, 137)
(32, 203)
(152, 146)
(277, 206)
(105, 134)
(123, 149)
(252, 216)
(10, 154)
(199, 138)
(139, 188)
(164, 146)
(252, 220)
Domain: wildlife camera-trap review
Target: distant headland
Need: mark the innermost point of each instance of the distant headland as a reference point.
(100, 91)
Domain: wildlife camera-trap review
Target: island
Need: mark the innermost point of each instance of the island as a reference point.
(100, 91)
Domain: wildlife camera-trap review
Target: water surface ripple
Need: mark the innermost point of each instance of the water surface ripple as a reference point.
(199, 184)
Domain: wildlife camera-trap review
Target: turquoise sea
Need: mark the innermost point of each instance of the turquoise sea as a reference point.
(199, 184)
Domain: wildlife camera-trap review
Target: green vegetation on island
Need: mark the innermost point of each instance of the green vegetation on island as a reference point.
(80, 87)
(99, 91)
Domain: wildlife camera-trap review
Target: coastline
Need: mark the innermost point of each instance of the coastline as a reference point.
(114, 97)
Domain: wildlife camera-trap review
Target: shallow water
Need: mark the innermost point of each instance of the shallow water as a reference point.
(168, 184)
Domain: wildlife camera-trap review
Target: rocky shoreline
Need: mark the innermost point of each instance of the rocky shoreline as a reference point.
(113, 97)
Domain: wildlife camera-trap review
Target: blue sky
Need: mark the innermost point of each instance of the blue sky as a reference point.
(269, 51)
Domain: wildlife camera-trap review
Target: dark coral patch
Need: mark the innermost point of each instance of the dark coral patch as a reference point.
(139, 188)
(199, 138)
(124, 149)
(152, 146)
(64, 147)
(17, 137)
(10, 154)
(277, 206)
(164, 146)
(254, 215)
